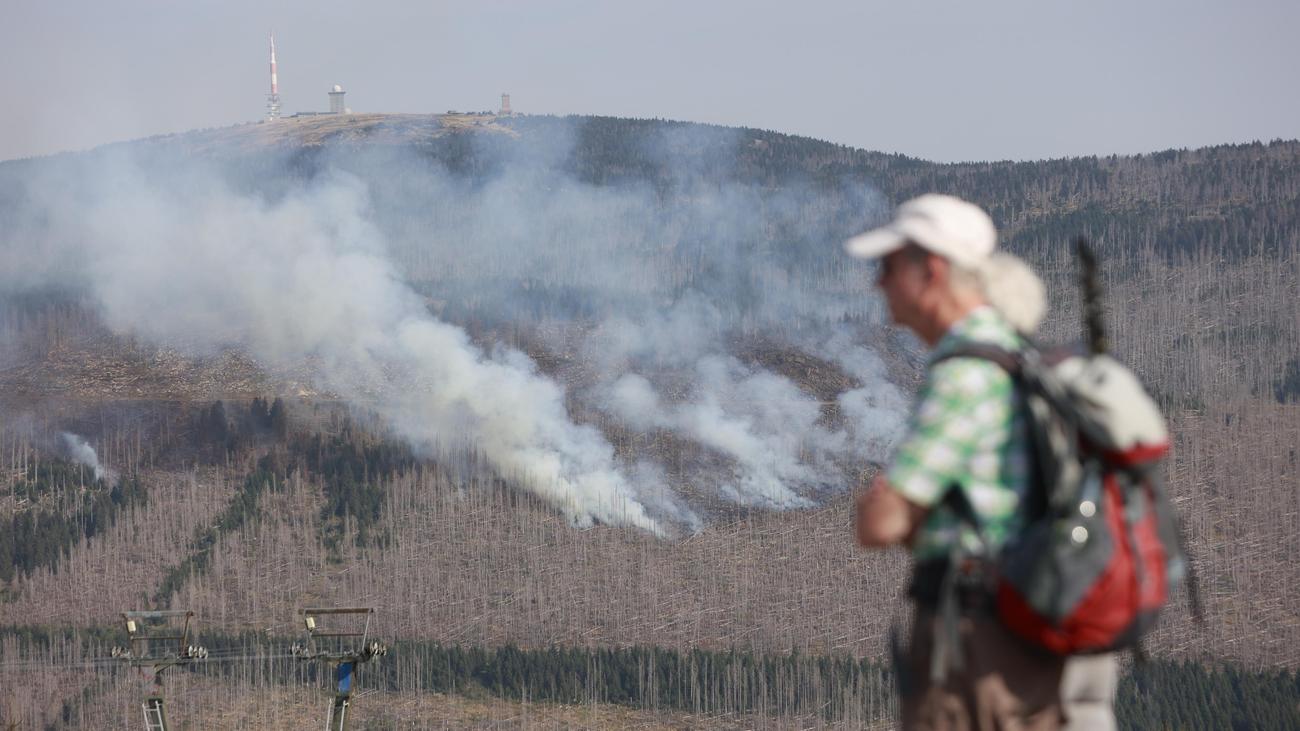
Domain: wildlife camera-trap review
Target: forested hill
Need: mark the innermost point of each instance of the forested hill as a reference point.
(1230, 199)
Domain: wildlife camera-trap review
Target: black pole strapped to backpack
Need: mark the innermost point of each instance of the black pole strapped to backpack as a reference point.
(1094, 327)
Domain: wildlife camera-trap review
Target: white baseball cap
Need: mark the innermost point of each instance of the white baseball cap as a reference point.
(959, 231)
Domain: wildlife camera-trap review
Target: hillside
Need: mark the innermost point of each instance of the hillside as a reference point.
(256, 329)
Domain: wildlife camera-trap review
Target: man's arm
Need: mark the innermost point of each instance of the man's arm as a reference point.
(885, 517)
(962, 399)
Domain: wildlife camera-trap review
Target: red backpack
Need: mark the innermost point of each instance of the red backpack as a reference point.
(1100, 551)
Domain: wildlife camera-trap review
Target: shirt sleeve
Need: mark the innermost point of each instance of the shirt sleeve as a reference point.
(960, 403)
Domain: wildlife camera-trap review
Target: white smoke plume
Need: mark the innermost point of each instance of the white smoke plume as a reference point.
(306, 277)
(760, 420)
(876, 412)
(773, 432)
(80, 451)
(185, 254)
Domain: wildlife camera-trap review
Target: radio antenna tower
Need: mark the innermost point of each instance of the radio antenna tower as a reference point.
(273, 99)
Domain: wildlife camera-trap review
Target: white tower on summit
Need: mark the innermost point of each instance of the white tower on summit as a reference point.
(273, 99)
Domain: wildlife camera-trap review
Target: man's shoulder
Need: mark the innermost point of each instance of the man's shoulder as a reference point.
(956, 362)
(968, 376)
(982, 328)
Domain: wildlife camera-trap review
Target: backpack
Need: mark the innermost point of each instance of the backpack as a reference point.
(1100, 550)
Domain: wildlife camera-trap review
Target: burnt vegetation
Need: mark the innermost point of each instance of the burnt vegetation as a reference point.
(245, 497)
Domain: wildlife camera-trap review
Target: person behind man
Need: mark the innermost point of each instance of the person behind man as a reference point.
(967, 449)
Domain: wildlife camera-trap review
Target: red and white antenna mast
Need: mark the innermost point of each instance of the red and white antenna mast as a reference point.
(273, 99)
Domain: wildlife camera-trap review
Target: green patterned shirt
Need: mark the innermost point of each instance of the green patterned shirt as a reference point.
(966, 431)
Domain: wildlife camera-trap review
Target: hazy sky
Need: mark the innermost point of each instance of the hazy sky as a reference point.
(973, 80)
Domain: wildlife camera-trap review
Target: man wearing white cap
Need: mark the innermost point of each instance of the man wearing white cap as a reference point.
(967, 448)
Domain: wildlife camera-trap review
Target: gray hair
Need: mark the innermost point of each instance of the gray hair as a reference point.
(1010, 287)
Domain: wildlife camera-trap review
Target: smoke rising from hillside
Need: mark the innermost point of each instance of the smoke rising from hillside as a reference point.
(81, 452)
(340, 262)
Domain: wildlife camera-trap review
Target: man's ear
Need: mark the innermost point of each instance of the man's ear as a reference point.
(936, 268)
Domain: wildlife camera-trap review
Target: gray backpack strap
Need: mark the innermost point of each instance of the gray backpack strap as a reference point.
(947, 654)
(1025, 368)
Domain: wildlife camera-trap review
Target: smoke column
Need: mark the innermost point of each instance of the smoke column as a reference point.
(317, 269)
(81, 452)
(304, 279)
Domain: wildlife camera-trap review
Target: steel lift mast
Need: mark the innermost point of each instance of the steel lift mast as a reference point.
(345, 650)
(159, 640)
